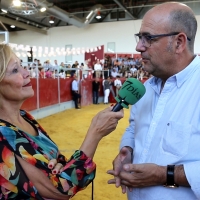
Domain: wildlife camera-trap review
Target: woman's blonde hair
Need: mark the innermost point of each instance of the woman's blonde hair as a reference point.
(5, 56)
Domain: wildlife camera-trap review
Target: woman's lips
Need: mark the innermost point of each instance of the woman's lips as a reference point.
(29, 84)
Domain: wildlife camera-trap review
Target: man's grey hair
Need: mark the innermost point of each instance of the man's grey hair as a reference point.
(184, 21)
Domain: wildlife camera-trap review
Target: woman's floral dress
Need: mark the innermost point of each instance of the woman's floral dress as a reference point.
(78, 172)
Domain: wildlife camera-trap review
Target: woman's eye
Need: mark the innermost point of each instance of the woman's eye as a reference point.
(15, 70)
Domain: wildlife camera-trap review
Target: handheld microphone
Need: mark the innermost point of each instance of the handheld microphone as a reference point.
(131, 92)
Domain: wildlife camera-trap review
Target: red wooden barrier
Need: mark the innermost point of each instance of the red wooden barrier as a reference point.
(31, 104)
(65, 90)
(48, 92)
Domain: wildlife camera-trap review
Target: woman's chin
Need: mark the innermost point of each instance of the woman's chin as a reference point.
(29, 95)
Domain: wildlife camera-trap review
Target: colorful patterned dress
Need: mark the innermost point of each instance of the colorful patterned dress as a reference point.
(78, 172)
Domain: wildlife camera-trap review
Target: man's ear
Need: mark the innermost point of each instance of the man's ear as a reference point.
(181, 42)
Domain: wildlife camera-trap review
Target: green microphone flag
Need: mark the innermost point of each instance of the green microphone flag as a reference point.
(131, 91)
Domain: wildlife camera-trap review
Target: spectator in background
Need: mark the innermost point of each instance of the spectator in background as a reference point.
(105, 70)
(39, 63)
(62, 73)
(53, 75)
(135, 74)
(128, 74)
(95, 90)
(35, 62)
(62, 66)
(116, 68)
(126, 63)
(68, 71)
(117, 62)
(29, 66)
(123, 71)
(84, 68)
(33, 71)
(132, 61)
(141, 74)
(111, 82)
(98, 69)
(138, 62)
(75, 92)
(47, 65)
(114, 73)
(106, 58)
(55, 65)
(119, 59)
(120, 74)
(75, 66)
(41, 73)
(133, 69)
(56, 73)
(48, 73)
(106, 88)
(117, 84)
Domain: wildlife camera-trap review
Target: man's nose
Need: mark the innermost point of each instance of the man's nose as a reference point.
(140, 47)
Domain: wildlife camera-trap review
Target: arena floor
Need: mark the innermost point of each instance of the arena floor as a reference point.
(68, 129)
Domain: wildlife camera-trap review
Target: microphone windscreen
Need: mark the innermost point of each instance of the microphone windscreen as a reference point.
(131, 91)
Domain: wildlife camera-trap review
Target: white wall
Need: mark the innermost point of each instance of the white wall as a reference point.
(197, 40)
(122, 33)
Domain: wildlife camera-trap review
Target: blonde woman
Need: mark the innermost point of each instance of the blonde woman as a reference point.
(31, 164)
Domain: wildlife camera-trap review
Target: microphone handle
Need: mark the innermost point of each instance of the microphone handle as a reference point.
(117, 107)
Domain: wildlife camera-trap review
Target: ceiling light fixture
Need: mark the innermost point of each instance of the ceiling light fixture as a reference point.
(26, 8)
(51, 20)
(3, 10)
(43, 9)
(12, 26)
(17, 3)
(98, 16)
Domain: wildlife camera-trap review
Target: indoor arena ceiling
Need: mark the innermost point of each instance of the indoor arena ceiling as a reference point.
(78, 13)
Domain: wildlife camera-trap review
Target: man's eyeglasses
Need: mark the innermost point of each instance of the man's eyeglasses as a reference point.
(146, 38)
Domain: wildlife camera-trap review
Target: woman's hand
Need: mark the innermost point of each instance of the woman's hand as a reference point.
(105, 122)
(55, 166)
(102, 124)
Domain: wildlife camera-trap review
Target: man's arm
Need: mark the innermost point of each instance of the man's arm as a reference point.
(180, 177)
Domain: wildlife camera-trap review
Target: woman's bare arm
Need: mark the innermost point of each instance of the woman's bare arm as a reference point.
(102, 124)
(41, 182)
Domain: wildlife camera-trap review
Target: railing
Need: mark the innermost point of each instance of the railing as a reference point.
(81, 74)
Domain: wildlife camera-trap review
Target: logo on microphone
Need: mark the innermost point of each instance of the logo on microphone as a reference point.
(128, 85)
